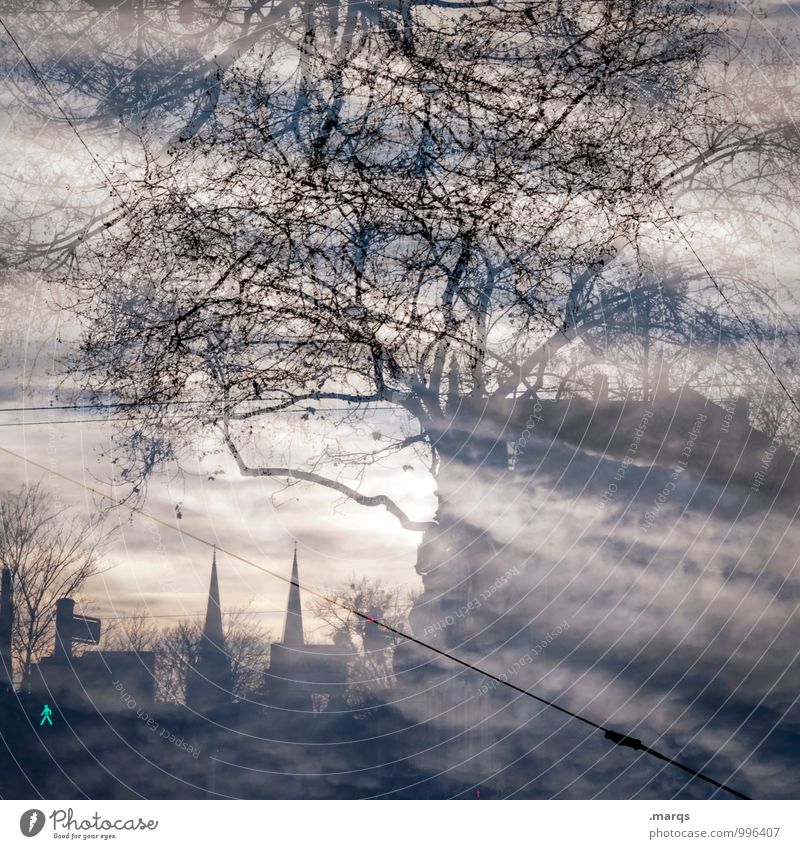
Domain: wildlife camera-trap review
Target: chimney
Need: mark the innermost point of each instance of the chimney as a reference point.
(6, 629)
(65, 610)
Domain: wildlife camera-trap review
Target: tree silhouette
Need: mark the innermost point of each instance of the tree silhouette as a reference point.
(411, 227)
(247, 643)
(52, 554)
(370, 667)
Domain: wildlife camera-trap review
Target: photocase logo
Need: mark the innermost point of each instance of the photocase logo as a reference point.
(31, 822)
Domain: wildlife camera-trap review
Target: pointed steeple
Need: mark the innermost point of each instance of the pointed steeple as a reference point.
(210, 683)
(6, 628)
(293, 629)
(212, 630)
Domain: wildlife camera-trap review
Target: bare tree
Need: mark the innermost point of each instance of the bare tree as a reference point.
(400, 238)
(111, 68)
(370, 671)
(773, 413)
(176, 651)
(415, 227)
(137, 632)
(52, 553)
(246, 641)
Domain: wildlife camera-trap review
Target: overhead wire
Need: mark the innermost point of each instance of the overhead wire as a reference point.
(614, 736)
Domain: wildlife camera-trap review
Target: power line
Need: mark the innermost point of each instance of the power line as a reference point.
(615, 737)
(185, 613)
(130, 419)
(135, 405)
(67, 421)
(133, 418)
(111, 405)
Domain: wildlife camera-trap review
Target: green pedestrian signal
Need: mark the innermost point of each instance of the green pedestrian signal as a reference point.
(46, 713)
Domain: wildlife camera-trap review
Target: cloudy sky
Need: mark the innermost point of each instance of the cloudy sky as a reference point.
(50, 179)
(712, 586)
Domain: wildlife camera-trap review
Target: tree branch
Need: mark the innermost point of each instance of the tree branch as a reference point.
(313, 477)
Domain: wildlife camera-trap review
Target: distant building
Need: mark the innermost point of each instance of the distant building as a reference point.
(727, 448)
(106, 681)
(210, 684)
(301, 675)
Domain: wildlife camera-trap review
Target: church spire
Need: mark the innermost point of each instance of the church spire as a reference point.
(293, 629)
(210, 682)
(212, 630)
